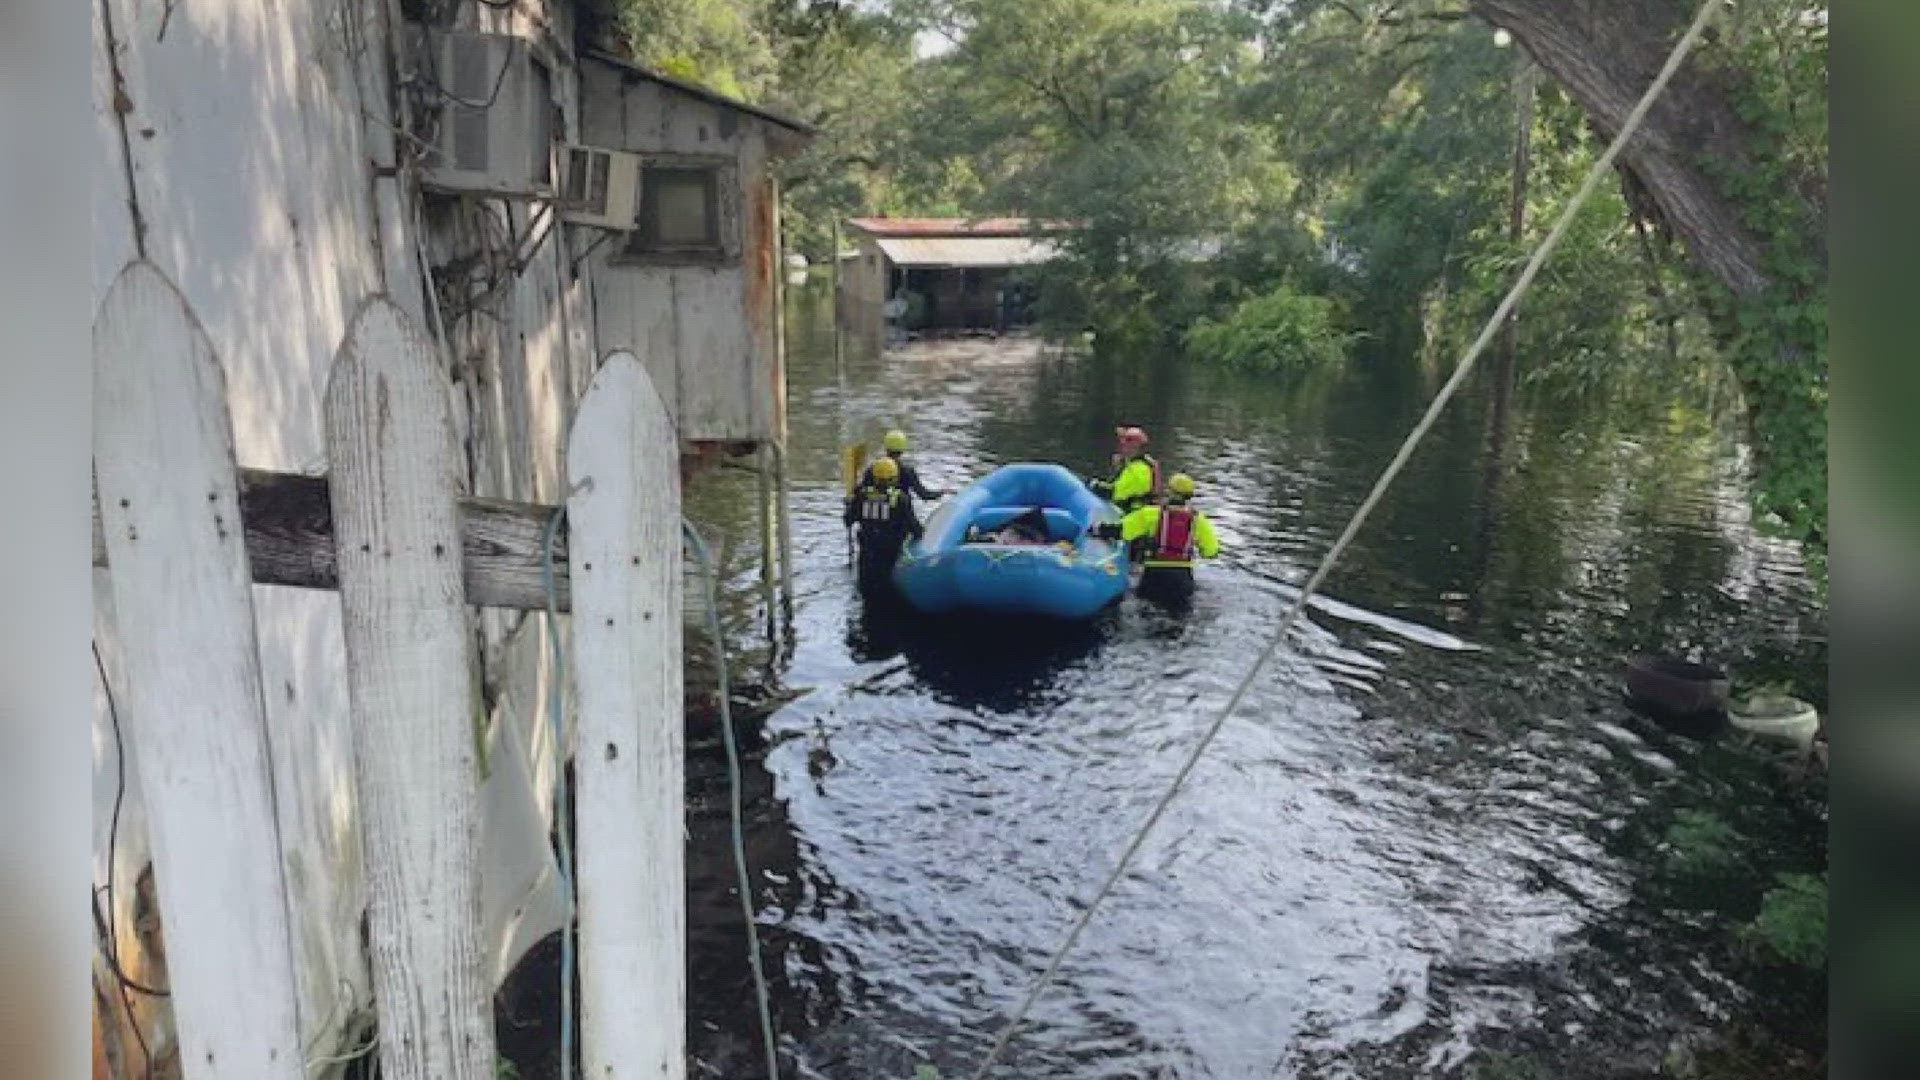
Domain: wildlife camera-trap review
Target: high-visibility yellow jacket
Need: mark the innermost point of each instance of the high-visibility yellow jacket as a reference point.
(1173, 538)
(1131, 487)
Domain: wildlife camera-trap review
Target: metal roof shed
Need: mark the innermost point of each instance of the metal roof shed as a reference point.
(956, 269)
(965, 251)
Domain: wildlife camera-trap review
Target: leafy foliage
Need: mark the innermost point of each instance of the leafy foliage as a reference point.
(1397, 132)
(1700, 842)
(719, 43)
(1775, 51)
(1122, 117)
(1792, 923)
(850, 73)
(1409, 168)
(1277, 331)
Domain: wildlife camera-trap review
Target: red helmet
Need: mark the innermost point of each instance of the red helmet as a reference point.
(1130, 436)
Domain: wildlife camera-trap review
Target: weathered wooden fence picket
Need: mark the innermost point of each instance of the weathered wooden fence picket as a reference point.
(182, 531)
(396, 532)
(196, 726)
(624, 512)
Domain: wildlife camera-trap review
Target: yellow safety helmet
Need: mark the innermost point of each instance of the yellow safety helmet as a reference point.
(1181, 484)
(895, 442)
(886, 469)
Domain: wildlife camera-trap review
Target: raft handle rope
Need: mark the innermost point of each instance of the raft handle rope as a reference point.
(557, 715)
(1600, 168)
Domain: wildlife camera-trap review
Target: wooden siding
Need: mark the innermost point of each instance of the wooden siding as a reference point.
(249, 151)
(705, 334)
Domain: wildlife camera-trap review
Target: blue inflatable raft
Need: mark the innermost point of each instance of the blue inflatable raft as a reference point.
(963, 561)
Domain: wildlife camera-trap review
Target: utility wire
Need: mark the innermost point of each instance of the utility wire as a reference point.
(112, 941)
(1600, 168)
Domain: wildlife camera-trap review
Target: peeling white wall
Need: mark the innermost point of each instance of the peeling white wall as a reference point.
(242, 143)
(249, 147)
(239, 132)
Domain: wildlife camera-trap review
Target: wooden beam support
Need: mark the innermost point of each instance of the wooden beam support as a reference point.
(288, 520)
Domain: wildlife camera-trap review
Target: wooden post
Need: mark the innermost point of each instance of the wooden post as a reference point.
(778, 424)
(783, 505)
(169, 503)
(625, 561)
(838, 354)
(394, 486)
(767, 543)
(780, 436)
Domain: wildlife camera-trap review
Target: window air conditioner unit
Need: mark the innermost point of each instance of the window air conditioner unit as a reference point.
(492, 99)
(599, 187)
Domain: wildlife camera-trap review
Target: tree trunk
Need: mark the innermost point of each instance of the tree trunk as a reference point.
(1605, 53)
(1526, 80)
(1657, 289)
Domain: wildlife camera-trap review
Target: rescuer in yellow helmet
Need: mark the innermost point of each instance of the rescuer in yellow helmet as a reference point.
(885, 516)
(1168, 536)
(895, 444)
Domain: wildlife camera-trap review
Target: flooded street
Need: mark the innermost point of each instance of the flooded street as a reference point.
(1433, 828)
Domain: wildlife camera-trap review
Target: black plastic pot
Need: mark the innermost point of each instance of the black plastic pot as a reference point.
(1676, 687)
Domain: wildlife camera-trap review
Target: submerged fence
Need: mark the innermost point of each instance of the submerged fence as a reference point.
(183, 532)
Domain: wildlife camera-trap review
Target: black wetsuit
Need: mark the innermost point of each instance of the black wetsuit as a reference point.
(885, 516)
(909, 481)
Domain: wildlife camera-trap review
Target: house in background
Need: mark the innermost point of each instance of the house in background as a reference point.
(955, 274)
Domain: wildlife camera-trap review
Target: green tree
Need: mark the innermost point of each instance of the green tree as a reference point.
(1119, 116)
(1394, 115)
(849, 71)
(1732, 161)
(1279, 331)
(718, 43)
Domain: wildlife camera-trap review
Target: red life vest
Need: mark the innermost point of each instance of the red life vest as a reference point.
(1173, 543)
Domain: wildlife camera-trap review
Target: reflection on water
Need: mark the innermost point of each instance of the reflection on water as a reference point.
(1430, 828)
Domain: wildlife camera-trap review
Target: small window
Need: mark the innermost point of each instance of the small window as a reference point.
(542, 108)
(684, 213)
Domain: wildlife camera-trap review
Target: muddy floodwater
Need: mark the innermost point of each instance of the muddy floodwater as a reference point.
(1433, 831)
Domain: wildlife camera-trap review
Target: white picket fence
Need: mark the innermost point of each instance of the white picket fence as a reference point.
(176, 557)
